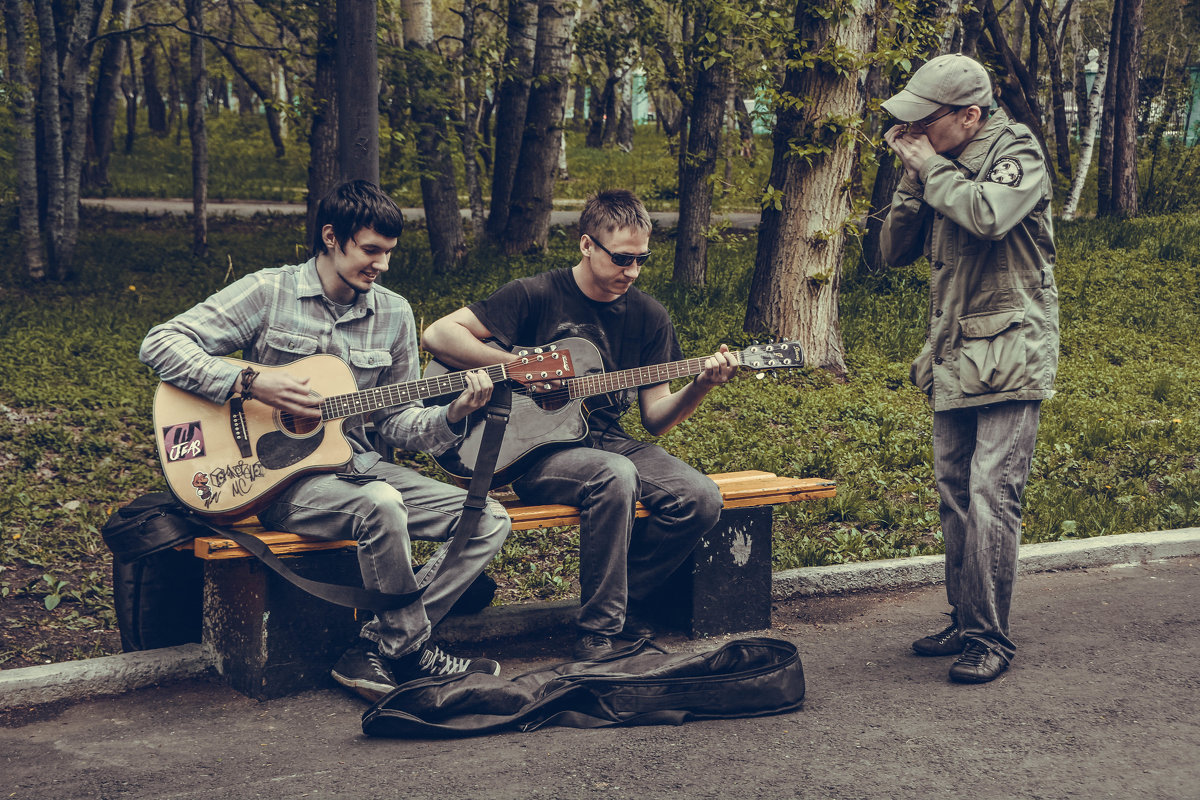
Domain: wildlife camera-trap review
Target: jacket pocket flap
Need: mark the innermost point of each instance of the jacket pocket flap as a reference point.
(993, 323)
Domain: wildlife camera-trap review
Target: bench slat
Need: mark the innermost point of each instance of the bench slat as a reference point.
(743, 489)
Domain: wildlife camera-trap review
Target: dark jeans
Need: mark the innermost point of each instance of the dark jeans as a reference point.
(981, 459)
(620, 560)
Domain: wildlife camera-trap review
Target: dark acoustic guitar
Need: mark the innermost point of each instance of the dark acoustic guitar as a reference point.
(554, 413)
(230, 460)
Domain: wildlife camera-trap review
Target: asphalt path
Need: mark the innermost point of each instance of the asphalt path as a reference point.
(1102, 701)
(160, 207)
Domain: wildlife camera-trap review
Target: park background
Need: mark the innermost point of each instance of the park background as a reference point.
(703, 108)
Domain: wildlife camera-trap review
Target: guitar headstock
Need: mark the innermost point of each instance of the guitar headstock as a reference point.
(540, 365)
(776, 355)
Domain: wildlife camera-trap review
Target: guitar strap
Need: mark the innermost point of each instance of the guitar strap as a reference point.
(338, 594)
(495, 422)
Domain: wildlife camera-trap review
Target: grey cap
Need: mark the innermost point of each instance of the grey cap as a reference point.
(951, 80)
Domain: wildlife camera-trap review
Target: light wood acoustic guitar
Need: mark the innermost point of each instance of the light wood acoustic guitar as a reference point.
(554, 414)
(228, 461)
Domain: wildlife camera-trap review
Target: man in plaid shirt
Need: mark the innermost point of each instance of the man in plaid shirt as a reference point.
(333, 304)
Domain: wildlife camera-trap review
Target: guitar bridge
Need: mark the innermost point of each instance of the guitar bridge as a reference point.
(238, 428)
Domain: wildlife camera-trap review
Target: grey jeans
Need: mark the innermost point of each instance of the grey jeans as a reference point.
(383, 516)
(981, 459)
(620, 561)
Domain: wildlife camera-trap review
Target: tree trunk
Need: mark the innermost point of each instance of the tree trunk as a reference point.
(197, 127)
(798, 267)
(472, 116)
(512, 106)
(625, 114)
(104, 104)
(357, 91)
(1095, 108)
(25, 142)
(696, 171)
(429, 87)
(532, 199)
(596, 115)
(156, 104)
(323, 135)
(1104, 160)
(129, 88)
(1058, 106)
(1127, 66)
(64, 127)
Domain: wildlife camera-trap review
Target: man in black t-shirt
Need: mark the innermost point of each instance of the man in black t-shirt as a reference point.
(606, 475)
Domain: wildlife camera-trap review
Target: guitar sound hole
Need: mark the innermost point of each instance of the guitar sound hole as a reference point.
(298, 426)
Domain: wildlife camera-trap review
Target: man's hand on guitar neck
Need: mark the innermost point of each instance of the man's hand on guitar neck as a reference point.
(286, 392)
(474, 397)
(719, 368)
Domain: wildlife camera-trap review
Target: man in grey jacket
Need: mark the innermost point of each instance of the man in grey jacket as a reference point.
(975, 200)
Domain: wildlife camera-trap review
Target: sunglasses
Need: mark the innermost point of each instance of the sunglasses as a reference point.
(922, 125)
(623, 259)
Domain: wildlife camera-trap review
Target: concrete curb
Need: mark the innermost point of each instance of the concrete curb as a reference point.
(77, 680)
(904, 573)
(73, 680)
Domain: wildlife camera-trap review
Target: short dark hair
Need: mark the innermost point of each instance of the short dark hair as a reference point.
(352, 206)
(611, 210)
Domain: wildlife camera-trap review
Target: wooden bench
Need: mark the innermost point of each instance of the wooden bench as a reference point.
(270, 638)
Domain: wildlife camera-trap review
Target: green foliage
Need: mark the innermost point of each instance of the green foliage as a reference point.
(242, 162)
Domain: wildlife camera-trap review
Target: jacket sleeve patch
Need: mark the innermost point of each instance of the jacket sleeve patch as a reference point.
(1006, 172)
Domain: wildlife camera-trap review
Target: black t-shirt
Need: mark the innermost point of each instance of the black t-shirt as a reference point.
(632, 331)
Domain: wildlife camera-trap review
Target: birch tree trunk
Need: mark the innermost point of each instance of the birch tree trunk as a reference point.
(1095, 108)
(512, 105)
(198, 127)
(25, 142)
(798, 267)
(528, 226)
(429, 91)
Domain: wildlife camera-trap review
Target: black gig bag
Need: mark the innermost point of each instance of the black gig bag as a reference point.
(637, 685)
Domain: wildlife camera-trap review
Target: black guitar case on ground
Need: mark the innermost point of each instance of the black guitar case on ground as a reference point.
(637, 685)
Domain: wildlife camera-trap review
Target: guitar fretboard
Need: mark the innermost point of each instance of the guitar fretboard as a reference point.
(601, 383)
(368, 400)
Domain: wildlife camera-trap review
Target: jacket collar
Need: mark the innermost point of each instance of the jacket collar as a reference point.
(976, 151)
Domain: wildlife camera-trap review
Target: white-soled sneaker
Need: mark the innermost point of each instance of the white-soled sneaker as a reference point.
(431, 660)
(362, 670)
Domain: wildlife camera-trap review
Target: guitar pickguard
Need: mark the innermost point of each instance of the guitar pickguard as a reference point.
(277, 450)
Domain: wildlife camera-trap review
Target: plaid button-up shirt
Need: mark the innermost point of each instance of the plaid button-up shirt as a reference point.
(276, 316)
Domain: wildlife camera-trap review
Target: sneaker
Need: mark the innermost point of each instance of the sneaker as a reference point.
(362, 670)
(431, 661)
(591, 645)
(977, 664)
(944, 643)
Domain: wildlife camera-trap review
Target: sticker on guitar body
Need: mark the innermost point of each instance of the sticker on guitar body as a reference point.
(183, 441)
